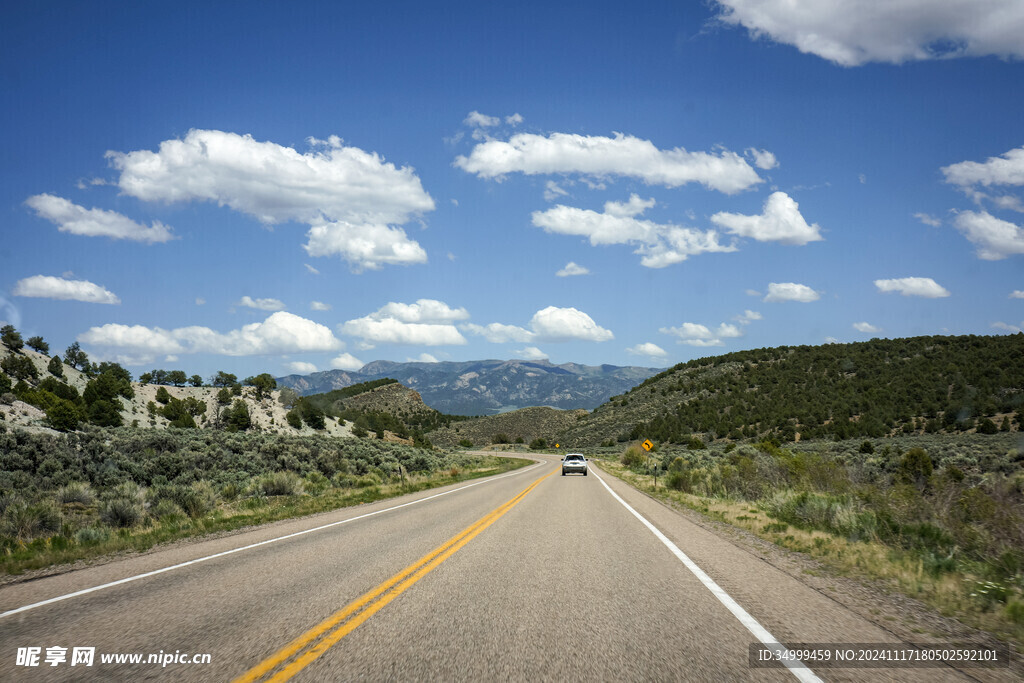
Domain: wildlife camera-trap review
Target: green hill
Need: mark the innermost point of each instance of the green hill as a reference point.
(835, 391)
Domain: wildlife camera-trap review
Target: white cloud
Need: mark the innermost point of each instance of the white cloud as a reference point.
(423, 311)
(365, 246)
(553, 191)
(346, 361)
(514, 119)
(866, 327)
(301, 367)
(78, 220)
(600, 157)
(1007, 169)
(566, 324)
(752, 292)
(995, 238)
(531, 353)
(649, 350)
(200, 301)
(319, 306)
(790, 291)
(423, 358)
(1013, 329)
(311, 269)
(862, 178)
(477, 120)
(696, 334)
(854, 32)
(49, 287)
(831, 340)
(1017, 294)
(497, 333)
(913, 286)
(261, 304)
(350, 198)
(281, 332)
(780, 221)
(928, 219)
(748, 316)
(763, 159)
(659, 245)
(572, 268)
(427, 322)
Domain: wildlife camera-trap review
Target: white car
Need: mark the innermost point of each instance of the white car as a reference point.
(574, 462)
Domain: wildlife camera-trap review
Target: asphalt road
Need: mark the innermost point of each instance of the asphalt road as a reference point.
(522, 577)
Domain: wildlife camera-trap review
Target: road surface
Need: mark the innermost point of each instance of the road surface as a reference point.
(526, 576)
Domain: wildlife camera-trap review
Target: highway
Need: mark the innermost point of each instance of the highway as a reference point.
(526, 576)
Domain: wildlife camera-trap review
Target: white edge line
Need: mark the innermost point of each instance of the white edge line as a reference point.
(137, 577)
(796, 667)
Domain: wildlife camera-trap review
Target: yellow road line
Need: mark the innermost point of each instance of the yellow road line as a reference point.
(302, 651)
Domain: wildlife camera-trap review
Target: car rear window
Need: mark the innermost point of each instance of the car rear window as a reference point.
(574, 457)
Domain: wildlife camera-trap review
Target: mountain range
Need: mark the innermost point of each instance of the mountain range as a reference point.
(487, 387)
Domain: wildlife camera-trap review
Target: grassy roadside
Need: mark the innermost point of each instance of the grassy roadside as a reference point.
(305, 496)
(971, 597)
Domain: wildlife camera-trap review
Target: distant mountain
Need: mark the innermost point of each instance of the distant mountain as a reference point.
(487, 387)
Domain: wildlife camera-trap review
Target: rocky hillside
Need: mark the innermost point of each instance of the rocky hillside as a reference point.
(490, 386)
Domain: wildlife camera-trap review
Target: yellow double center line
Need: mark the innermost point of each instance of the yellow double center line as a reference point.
(305, 649)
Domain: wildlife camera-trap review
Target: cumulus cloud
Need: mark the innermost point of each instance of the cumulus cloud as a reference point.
(696, 334)
(649, 350)
(600, 157)
(78, 220)
(1012, 329)
(514, 119)
(790, 291)
(928, 219)
(319, 306)
(261, 304)
(831, 340)
(346, 361)
(567, 324)
(658, 244)
(531, 353)
(748, 316)
(780, 221)
(477, 120)
(351, 199)
(281, 332)
(994, 238)
(572, 268)
(854, 32)
(866, 328)
(1017, 294)
(423, 358)
(763, 159)
(497, 333)
(49, 287)
(300, 367)
(913, 286)
(1007, 169)
(427, 322)
(200, 301)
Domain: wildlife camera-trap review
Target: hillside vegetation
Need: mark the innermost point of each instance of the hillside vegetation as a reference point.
(836, 391)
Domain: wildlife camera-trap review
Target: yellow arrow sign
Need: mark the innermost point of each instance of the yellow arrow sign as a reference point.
(647, 445)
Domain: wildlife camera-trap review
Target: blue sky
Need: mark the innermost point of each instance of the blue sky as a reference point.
(283, 187)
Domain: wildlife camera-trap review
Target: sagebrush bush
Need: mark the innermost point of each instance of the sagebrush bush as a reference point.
(91, 535)
(76, 492)
(280, 484)
(24, 521)
(122, 513)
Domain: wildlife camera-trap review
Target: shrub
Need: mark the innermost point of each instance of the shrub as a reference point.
(24, 521)
(500, 438)
(695, 443)
(55, 367)
(162, 395)
(198, 499)
(63, 415)
(76, 492)
(866, 447)
(538, 444)
(293, 419)
(19, 367)
(465, 443)
(280, 484)
(122, 513)
(634, 456)
(166, 510)
(237, 417)
(92, 535)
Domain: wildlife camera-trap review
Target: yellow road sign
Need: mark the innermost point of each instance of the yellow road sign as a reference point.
(647, 445)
